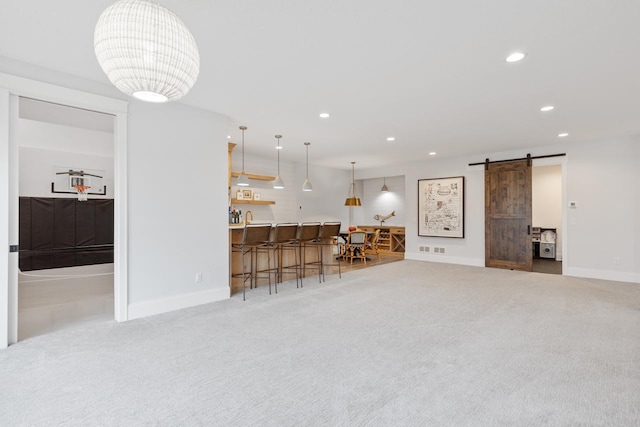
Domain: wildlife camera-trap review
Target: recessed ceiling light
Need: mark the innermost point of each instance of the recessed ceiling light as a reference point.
(562, 135)
(433, 153)
(228, 136)
(515, 57)
(391, 138)
(324, 115)
(547, 108)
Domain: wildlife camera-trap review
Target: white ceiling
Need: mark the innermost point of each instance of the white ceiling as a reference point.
(431, 73)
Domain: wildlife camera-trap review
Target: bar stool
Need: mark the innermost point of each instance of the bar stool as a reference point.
(285, 238)
(308, 235)
(254, 239)
(329, 236)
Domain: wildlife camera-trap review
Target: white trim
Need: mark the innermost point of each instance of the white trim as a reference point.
(178, 302)
(444, 259)
(120, 225)
(618, 276)
(47, 92)
(14, 221)
(19, 86)
(4, 217)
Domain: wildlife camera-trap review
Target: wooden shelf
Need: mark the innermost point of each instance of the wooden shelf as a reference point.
(252, 202)
(254, 176)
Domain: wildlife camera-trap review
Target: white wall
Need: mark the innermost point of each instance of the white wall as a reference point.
(324, 203)
(284, 210)
(176, 229)
(43, 146)
(546, 197)
(375, 202)
(602, 233)
(50, 136)
(37, 170)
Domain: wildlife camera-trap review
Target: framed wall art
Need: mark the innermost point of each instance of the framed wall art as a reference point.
(247, 194)
(441, 207)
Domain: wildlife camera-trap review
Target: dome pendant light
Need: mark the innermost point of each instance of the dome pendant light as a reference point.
(278, 184)
(307, 184)
(146, 51)
(353, 199)
(384, 188)
(243, 179)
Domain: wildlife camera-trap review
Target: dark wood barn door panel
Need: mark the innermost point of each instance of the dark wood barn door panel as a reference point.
(508, 215)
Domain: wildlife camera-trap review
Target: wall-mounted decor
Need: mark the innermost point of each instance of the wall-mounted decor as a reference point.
(247, 194)
(256, 196)
(74, 180)
(441, 207)
(383, 218)
(239, 195)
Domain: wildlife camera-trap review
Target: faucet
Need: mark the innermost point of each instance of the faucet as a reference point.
(246, 217)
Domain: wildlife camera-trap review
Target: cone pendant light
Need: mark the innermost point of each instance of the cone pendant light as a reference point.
(384, 188)
(278, 184)
(307, 184)
(353, 199)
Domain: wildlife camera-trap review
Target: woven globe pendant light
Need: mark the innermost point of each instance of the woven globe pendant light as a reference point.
(146, 51)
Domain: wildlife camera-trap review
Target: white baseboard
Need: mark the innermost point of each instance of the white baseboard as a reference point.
(178, 302)
(474, 262)
(618, 276)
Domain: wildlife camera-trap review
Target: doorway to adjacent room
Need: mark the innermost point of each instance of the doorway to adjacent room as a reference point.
(66, 241)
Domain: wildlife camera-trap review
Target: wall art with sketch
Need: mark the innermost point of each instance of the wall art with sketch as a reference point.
(441, 207)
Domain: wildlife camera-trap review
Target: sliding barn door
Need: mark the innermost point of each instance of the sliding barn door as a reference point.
(507, 192)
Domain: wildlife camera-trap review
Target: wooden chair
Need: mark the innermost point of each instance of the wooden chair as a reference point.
(356, 245)
(373, 244)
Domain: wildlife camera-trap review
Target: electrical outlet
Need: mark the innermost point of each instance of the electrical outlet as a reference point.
(198, 277)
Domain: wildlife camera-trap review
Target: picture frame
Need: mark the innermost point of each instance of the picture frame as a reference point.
(239, 195)
(441, 207)
(256, 196)
(247, 194)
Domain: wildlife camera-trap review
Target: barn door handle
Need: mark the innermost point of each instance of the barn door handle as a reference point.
(528, 230)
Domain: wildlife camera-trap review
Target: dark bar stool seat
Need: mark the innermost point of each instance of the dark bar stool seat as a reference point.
(255, 239)
(308, 236)
(285, 238)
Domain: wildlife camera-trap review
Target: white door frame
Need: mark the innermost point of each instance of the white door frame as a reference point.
(12, 87)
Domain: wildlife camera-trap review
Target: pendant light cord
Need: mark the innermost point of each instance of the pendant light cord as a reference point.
(243, 150)
(278, 138)
(307, 161)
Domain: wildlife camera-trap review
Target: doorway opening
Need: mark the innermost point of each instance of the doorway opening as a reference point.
(547, 218)
(66, 255)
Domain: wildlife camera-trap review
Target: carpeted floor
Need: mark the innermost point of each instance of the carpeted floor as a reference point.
(402, 344)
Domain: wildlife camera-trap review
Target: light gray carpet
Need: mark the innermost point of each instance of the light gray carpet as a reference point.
(407, 343)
